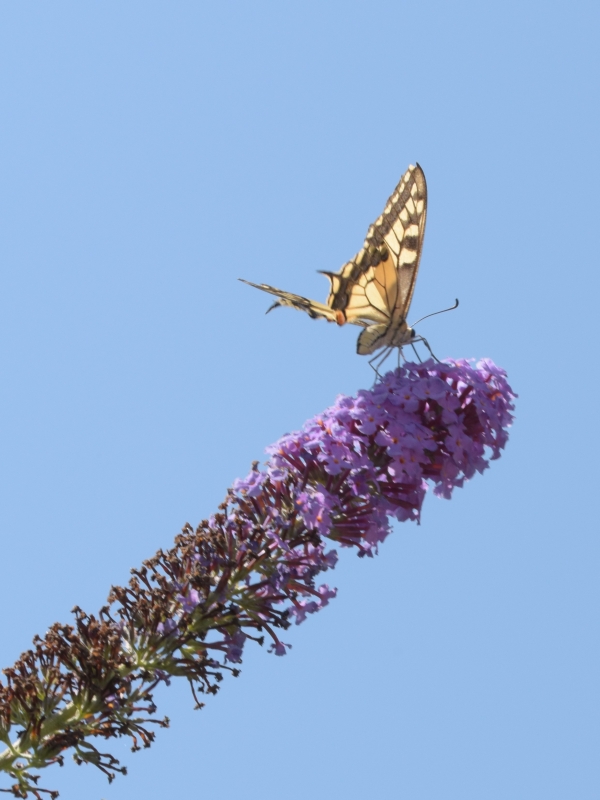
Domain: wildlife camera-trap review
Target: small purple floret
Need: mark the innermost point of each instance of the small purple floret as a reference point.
(235, 646)
(190, 600)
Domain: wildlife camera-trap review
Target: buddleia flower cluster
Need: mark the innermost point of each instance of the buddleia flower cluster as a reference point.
(253, 568)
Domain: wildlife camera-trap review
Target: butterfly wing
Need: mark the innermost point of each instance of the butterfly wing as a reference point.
(313, 309)
(377, 285)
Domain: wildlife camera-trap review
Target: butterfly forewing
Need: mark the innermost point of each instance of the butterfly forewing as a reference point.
(381, 278)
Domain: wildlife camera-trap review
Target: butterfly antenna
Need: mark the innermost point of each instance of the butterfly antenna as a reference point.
(443, 311)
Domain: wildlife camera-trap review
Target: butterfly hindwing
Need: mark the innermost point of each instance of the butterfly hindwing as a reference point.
(313, 309)
(354, 293)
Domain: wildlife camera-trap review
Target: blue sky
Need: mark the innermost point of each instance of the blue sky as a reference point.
(151, 154)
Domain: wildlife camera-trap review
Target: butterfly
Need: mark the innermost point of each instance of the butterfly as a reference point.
(375, 288)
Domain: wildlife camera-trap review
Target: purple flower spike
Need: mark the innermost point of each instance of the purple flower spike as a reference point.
(368, 457)
(253, 567)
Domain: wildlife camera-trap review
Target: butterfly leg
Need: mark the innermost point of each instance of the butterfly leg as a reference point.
(374, 368)
(426, 343)
(416, 353)
(386, 354)
(382, 358)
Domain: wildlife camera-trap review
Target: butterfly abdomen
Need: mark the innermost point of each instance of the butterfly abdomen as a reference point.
(383, 335)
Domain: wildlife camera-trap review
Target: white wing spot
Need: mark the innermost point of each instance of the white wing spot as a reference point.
(407, 257)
